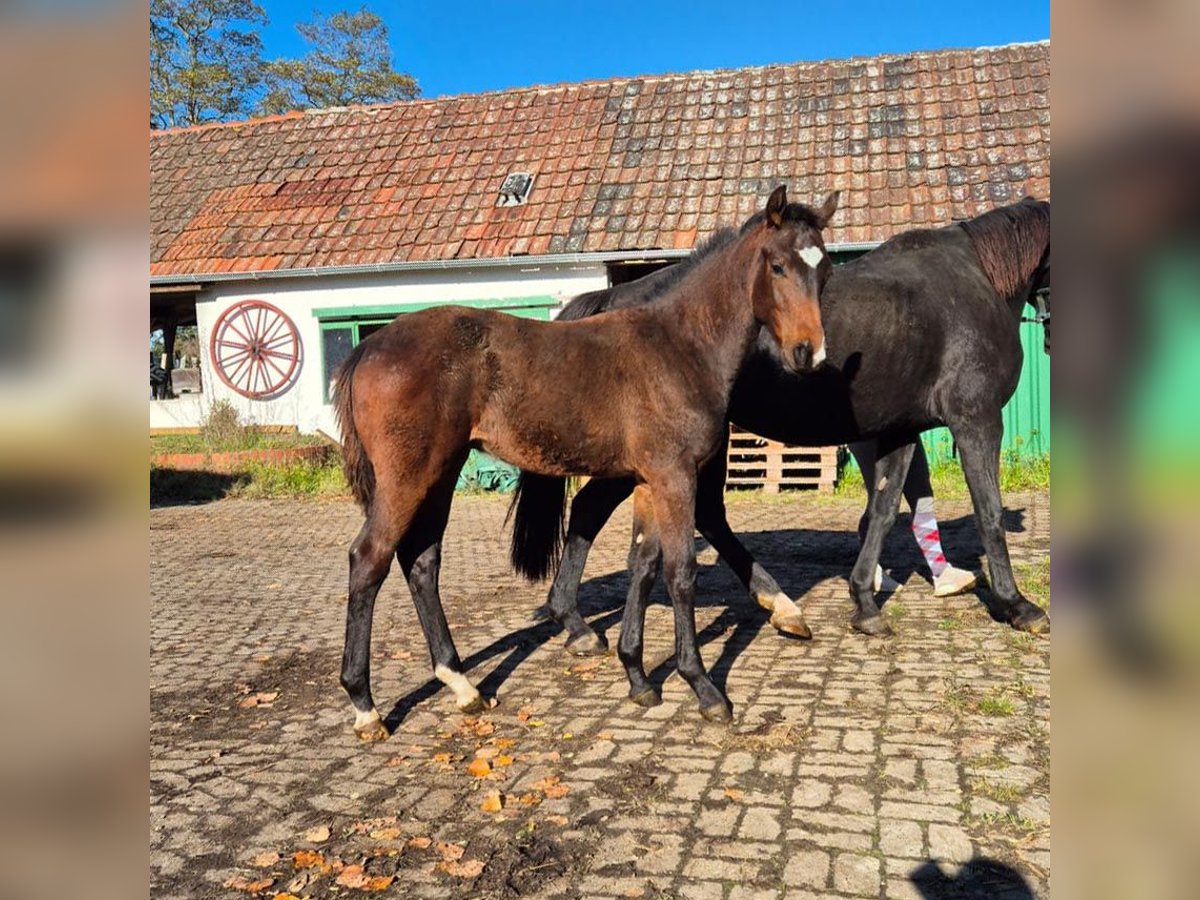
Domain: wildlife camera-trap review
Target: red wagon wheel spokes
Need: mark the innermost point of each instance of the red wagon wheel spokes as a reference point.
(255, 349)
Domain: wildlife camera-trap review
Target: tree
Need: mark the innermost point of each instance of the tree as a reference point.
(350, 63)
(205, 60)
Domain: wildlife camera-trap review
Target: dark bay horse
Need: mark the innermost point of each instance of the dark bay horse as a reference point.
(922, 331)
(638, 393)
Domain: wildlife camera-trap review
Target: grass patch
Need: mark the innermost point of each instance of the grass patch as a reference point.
(895, 609)
(1033, 580)
(1001, 793)
(256, 481)
(950, 623)
(990, 761)
(998, 706)
(1010, 822)
(1017, 473)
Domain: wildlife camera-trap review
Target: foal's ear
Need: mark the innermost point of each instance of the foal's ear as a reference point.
(828, 208)
(775, 206)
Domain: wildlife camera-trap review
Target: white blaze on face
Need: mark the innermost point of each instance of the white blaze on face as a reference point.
(812, 256)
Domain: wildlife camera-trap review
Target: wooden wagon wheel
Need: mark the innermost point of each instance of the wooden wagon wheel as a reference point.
(255, 349)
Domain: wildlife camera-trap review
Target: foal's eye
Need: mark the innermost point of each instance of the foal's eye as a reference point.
(777, 268)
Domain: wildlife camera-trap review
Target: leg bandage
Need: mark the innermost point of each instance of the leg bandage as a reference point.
(925, 530)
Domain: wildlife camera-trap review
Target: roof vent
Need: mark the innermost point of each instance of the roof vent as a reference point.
(515, 189)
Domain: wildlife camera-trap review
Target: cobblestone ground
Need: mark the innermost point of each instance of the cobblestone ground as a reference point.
(915, 766)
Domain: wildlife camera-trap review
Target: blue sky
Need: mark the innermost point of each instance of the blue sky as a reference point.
(462, 46)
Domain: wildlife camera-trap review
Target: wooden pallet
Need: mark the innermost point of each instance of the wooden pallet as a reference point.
(756, 463)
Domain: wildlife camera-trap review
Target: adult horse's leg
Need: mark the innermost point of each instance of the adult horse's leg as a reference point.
(674, 503)
(420, 558)
(645, 558)
(590, 509)
(713, 524)
(979, 447)
(890, 471)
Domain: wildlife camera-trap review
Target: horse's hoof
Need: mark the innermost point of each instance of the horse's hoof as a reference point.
(587, 644)
(875, 626)
(370, 728)
(793, 624)
(474, 706)
(1032, 619)
(718, 712)
(647, 698)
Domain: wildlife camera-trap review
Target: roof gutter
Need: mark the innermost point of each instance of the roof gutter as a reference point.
(437, 265)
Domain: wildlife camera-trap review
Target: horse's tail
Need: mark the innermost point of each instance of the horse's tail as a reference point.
(538, 511)
(360, 473)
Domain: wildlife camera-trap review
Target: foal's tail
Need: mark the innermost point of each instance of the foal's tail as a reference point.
(359, 471)
(538, 511)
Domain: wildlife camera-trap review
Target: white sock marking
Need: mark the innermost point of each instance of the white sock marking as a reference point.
(819, 356)
(464, 691)
(365, 720)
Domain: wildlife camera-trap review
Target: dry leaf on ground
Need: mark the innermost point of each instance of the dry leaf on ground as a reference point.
(266, 860)
(480, 768)
(492, 802)
(317, 835)
(262, 698)
(470, 868)
(242, 883)
(420, 842)
(450, 852)
(735, 794)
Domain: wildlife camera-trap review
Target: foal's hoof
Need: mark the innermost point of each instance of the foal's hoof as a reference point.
(647, 698)
(793, 624)
(875, 626)
(473, 706)
(718, 712)
(587, 644)
(1030, 618)
(371, 729)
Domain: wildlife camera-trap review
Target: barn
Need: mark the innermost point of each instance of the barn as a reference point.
(287, 240)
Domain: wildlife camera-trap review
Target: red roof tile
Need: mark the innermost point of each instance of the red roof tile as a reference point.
(627, 164)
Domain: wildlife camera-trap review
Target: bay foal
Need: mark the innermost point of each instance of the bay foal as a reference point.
(638, 393)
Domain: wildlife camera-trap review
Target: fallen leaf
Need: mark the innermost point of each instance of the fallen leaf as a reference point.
(262, 698)
(588, 666)
(503, 743)
(317, 835)
(604, 736)
(266, 860)
(402, 654)
(557, 820)
(470, 868)
(241, 883)
(486, 753)
(524, 713)
(308, 859)
(386, 834)
(480, 768)
(548, 781)
(285, 896)
(420, 842)
(501, 761)
(441, 757)
(567, 735)
(378, 883)
(535, 723)
(492, 802)
(635, 892)
(353, 877)
(450, 852)
(735, 794)
(483, 729)
(530, 799)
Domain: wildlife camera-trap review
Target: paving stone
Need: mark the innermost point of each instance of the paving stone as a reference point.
(843, 751)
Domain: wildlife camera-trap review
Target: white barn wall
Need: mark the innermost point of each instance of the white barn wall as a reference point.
(304, 403)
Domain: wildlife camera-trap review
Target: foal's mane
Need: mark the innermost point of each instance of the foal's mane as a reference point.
(656, 284)
(1010, 242)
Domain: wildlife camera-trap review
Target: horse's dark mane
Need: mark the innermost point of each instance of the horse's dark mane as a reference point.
(644, 290)
(1010, 242)
(651, 287)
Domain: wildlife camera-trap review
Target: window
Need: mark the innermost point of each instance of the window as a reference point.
(343, 327)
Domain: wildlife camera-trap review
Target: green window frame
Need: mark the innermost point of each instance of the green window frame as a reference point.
(343, 327)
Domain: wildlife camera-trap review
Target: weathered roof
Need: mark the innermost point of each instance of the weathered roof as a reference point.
(624, 164)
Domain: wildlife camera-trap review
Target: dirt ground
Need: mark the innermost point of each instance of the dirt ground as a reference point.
(914, 766)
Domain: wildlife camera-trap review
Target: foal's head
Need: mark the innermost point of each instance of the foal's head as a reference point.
(792, 270)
